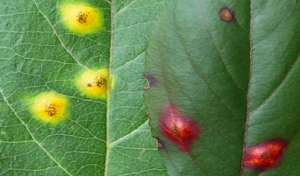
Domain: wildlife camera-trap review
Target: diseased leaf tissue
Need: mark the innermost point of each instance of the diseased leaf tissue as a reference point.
(200, 96)
(82, 19)
(60, 111)
(222, 94)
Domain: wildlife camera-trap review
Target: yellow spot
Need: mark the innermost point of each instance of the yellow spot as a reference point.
(81, 18)
(94, 83)
(49, 107)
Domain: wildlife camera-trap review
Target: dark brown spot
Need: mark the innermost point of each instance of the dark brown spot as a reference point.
(81, 17)
(90, 85)
(226, 14)
(160, 144)
(150, 79)
(100, 81)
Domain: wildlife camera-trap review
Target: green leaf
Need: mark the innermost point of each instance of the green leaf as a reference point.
(42, 56)
(239, 80)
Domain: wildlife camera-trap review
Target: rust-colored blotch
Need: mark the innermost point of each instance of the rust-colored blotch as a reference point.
(179, 129)
(226, 14)
(265, 155)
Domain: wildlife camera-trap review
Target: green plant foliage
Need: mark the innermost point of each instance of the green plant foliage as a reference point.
(98, 135)
(236, 75)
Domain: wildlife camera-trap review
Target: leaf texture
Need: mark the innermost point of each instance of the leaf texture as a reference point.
(237, 78)
(98, 136)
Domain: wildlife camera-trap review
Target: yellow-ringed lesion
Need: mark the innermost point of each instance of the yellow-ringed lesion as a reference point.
(49, 107)
(81, 18)
(93, 83)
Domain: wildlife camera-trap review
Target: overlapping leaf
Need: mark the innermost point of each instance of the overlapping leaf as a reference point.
(237, 79)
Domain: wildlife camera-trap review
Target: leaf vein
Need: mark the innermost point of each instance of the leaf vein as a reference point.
(26, 126)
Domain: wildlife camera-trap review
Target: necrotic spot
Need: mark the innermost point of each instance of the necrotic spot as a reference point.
(82, 16)
(160, 144)
(51, 108)
(226, 14)
(150, 79)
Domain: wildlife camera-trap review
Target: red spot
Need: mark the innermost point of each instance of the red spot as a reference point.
(181, 130)
(265, 155)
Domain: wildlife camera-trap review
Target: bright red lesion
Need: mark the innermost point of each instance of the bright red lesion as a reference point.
(179, 129)
(264, 156)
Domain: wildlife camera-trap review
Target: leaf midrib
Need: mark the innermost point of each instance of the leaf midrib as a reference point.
(250, 75)
(109, 87)
(248, 93)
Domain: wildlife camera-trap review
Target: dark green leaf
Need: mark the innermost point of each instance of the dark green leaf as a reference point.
(238, 79)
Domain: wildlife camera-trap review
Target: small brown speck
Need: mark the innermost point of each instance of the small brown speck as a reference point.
(100, 81)
(50, 109)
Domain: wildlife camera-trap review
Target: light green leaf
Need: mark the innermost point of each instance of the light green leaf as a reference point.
(41, 56)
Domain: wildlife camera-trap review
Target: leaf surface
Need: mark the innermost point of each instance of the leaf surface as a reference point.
(97, 136)
(237, 79)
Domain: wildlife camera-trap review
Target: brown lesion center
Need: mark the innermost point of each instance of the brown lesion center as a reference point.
(226, 14)
(50, 109)
(100, 81)
(82, 16)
